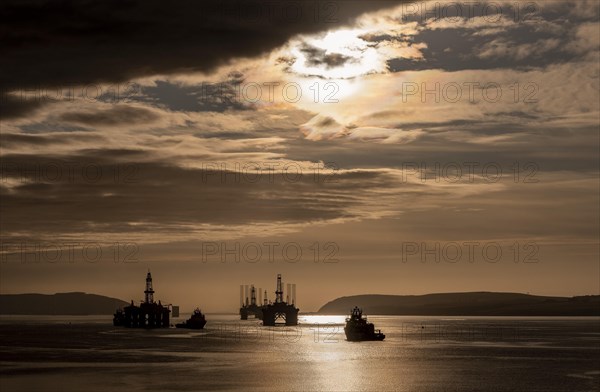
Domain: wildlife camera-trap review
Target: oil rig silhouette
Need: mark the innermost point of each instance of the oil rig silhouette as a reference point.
(251, 308)
(270, 312)
(148, 315)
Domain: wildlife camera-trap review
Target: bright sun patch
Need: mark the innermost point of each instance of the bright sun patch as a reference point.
(340, 54)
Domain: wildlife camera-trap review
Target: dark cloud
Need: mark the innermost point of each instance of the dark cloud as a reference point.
(20, 140)
(326, 121)
(109, 189)
(14, 106)
(203, 97)
(316, 56)
(543, 145)
(120, 114)
(59, 43)
(50, 126)
(536, 35)
(223, 135)
(459, 49)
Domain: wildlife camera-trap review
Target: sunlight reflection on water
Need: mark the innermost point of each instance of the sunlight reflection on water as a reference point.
(322, 319)
(419, 353)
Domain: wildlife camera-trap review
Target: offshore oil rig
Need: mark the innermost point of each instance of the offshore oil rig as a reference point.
(251, 307)
(148, 315)
(270, 312)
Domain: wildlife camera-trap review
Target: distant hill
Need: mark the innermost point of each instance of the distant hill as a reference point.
(58, 304)
(467, 304)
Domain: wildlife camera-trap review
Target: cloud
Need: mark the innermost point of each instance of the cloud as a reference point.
(13, 106)
(316, 57)
(326, 128)
(478, 23)
(500, 48)
(170, 131)
(521, 36)
(587, 39)
(19, 141)
(111, 195)
(115, 115)
(385, 135)
(323, 127)
(116, 41)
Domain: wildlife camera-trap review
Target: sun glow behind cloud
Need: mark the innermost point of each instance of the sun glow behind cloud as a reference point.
(340, 67)
(356, 56)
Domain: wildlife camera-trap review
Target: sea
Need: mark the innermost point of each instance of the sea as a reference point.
(87, 353)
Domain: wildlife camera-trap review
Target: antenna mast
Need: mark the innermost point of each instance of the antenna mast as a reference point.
(149, 292)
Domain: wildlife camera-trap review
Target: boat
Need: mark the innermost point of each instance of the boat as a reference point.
(358, 329)
(196, 321)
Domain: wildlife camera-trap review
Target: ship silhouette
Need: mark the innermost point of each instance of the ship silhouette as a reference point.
(359, 329)
(196, 321)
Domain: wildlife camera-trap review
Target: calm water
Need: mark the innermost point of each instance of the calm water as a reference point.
(418, 354)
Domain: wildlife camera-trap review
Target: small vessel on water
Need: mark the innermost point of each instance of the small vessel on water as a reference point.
(196, 321)
(359, 329)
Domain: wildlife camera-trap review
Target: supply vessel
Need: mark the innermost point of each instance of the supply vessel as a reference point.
(358, 329)
(196, 321)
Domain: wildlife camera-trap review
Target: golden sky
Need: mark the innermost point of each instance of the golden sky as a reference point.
(397, 146)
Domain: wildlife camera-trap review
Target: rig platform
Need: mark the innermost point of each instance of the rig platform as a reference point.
(271, 313)
(148, 315)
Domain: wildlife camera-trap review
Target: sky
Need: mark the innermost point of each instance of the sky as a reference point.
(380, 147)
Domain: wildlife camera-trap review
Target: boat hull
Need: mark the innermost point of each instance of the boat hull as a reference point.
(190, 326)
(361, 337)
